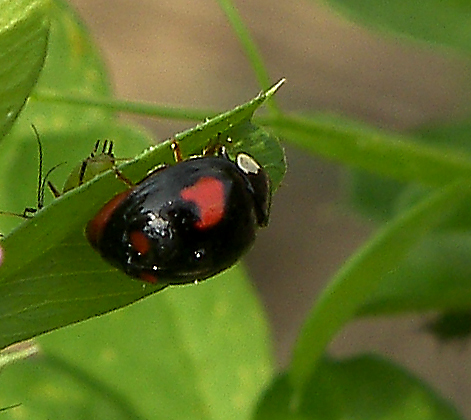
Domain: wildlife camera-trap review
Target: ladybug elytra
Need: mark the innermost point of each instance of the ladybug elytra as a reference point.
(186, 222)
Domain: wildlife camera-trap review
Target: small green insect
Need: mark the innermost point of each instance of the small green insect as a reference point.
(89, 168)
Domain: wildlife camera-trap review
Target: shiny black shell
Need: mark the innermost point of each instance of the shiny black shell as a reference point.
(185, 222)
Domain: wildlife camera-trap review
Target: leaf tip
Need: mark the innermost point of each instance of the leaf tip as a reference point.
(271, 91)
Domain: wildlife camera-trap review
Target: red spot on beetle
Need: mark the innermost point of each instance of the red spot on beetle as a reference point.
(208, 195)
(139, 242)
(97, 225)
(148, 277)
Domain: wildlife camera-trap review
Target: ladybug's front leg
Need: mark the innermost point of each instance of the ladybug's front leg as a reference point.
(177, 153)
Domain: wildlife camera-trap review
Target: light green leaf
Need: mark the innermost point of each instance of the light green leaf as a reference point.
(190, 352)
(24, 27)
(361, 388)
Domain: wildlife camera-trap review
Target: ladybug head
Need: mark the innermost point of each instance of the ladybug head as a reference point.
(259, 183)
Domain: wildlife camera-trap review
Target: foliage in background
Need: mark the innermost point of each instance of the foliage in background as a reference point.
(204, 352)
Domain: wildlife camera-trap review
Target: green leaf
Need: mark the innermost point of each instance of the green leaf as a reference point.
(361, 388)
(434, 277)
(453, 325)
(446, 23)
(24, 27)
(192, 352)
(364, 272)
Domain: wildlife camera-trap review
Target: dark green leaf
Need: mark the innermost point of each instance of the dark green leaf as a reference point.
(361, 388)
(434, 21)
(434, 276)
(450, 326)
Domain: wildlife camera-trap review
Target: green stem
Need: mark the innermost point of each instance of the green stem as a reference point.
(139, 108)
(376, 151)
(250, 48)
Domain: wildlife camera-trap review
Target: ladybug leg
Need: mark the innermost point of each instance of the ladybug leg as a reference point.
(216, 147)
(177, 153)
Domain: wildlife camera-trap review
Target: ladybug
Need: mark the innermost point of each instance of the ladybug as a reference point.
(186, 222)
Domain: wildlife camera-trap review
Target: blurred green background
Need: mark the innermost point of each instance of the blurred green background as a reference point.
(185, 54)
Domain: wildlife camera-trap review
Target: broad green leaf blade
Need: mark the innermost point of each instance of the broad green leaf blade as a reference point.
(229, 120)
(361, 388)
(190, 352)
(446, 23)
(373, 150)
(67, 132)
(51, 277)
(363, 273)
(24, 27)
(434, 277)
(448, 136)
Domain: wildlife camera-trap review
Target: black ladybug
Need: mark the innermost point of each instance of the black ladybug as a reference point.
(186, 222)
